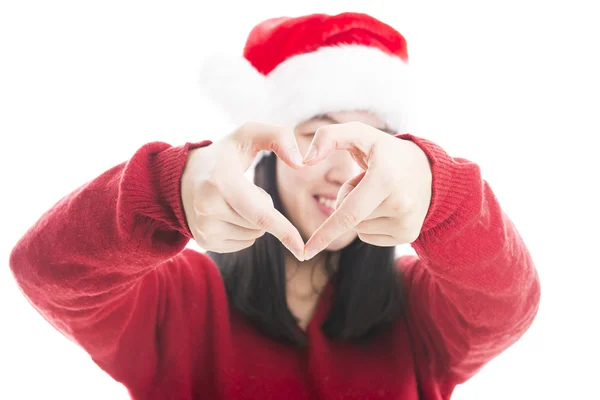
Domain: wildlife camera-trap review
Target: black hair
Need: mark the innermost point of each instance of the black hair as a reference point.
(367, 283)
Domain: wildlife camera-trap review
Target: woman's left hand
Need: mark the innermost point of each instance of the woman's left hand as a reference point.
(386, 204)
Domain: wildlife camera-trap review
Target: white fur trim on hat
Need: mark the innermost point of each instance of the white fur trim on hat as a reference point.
(340, 78)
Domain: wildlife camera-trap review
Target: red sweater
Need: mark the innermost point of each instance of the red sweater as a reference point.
(108, 267)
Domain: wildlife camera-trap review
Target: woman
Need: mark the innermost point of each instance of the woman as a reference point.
(299, 296)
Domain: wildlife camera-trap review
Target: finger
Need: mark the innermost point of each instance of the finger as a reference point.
(377, 226)
(254, 137)
(218, 230)
(233, 217)
(358, 205)
(378, 240)
(206, 242)
(236, 232)
(248, 202)
(401, 230)
(355, 137)
(385, 209)
(391, 208)
(348, 187)
(382, 212)
(213, 205)
(231, 246)
(216, 208)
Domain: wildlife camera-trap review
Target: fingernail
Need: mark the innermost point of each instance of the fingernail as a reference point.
(297, 157)
(298, 253)
(312, 153)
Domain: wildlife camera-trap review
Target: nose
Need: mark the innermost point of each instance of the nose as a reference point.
(341, 167)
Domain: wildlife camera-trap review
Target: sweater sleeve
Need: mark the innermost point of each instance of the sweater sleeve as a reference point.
(89, 264)
(473, 290)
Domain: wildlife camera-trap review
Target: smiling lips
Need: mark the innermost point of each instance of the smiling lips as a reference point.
(325, 204)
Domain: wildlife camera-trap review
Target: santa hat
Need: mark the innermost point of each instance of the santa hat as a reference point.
(295, 68)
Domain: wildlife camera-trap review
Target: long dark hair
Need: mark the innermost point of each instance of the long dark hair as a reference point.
(368, 295)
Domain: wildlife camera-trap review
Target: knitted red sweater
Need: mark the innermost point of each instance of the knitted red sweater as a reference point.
(108, 267)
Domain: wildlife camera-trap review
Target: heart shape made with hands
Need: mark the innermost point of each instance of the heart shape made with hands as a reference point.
(386, 204)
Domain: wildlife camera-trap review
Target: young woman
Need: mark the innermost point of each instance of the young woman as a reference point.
(299, 295)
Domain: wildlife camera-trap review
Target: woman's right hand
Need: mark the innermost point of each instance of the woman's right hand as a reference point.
(224, 210)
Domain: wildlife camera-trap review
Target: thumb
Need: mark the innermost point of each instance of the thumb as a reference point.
(253, 137)
(347, 188)
(287, 149)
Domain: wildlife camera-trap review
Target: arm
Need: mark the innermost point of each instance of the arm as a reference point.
(473, 291)
(89, 265)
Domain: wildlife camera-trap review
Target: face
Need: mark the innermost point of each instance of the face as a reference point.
(309, 194)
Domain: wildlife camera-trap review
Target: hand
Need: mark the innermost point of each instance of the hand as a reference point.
(224, 210)
(387, 203)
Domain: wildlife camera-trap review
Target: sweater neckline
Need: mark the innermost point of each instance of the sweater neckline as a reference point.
(322, 308)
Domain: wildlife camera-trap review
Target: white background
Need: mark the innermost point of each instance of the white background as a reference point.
(511, 85)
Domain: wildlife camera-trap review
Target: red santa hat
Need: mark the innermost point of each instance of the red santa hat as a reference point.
(295, 68)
